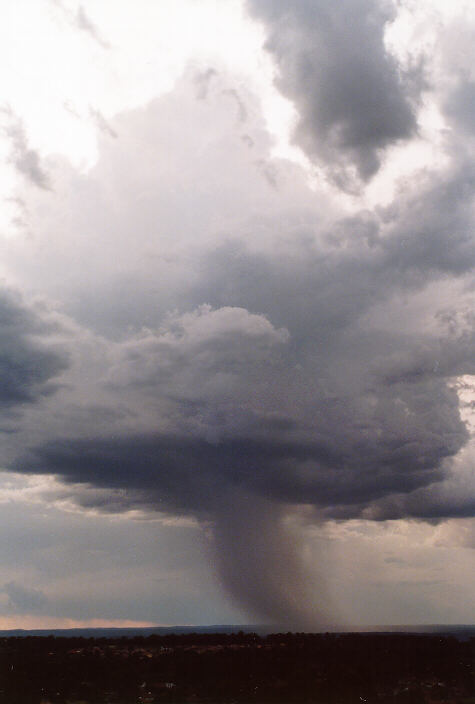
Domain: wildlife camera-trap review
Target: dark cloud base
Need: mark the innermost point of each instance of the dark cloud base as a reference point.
(179, 474)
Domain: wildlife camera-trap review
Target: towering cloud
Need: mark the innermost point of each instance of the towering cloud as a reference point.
(241, 342)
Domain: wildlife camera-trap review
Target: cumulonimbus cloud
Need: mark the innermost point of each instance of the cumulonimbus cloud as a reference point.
(291, 381)
(247, 339)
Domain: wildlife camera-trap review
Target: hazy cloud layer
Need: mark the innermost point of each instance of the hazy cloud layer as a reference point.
(24, 599)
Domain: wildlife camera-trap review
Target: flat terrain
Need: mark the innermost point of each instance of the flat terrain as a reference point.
(241, 667)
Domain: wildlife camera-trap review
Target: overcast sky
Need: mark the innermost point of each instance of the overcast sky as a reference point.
(237, 328)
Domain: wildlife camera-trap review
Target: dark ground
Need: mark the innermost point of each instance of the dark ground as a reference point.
(242, 667)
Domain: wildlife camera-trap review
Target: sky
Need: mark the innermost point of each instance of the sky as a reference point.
(237, 329)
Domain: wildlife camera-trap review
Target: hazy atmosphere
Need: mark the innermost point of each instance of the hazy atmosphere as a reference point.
(237, 321)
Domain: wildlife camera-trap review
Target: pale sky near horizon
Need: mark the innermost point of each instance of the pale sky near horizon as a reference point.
(237, 331)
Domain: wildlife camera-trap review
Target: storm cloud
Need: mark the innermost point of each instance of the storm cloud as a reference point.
(349, 93)
(243, 341)
(330, 407)
(28, 364)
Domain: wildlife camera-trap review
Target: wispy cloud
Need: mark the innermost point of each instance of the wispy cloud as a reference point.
(25, 159)
(84, 23)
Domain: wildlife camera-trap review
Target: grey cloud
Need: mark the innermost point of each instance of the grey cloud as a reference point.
(23, 599)
(432, 232)
(453, 78)
(134, 286)
(430, 360)
(180, 473)
(84, 23)
(347, 89)
(202, 81)
(460, 106)
(25, 159)
(343, 466)
(452, 497)
(366, 259)
(102, 123)
(297, 364)
(204, 345)
(432, 505)
(28, 366)
(241, 107)
(285, 382)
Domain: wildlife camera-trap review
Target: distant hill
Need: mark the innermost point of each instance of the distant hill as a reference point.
(130, 632)
(461, 632)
